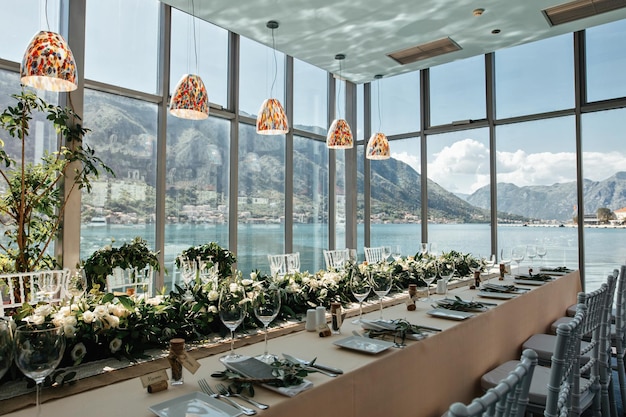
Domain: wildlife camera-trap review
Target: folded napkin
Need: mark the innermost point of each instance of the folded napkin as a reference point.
(459, 304)
(254, 368)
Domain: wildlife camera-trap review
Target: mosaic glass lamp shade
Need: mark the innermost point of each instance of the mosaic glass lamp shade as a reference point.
(271, 119)
(190, 99)
(378, 147)
(48, 63)
(339, 135)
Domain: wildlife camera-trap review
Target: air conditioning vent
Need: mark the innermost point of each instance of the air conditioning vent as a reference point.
(575, 10)
(425, 51)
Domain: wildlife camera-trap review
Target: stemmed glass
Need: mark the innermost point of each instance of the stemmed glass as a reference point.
(424, 248)
(386, 252)
(541, 252)
(38, 353)
(188, 272)
(6, 346)
(266, 306)
(489, 263)
(397, 253)
(48, 284)
(531, 252)
(517, 255)
(360, 287)
(428, 276)
(381, 280)
(76, 284)
(232, 312)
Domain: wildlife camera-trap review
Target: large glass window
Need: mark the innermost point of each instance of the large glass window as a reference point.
(125, 54)
(457, 91)
(310, 202)
(606, 58)
(261, 75)
(535, 77)
(123, 135)
(458, 166)
(395, 197)
(211, 43)
(536, 173)
(261, 199)
(197, 177)
(605, 200)
(310, 96)
(20, 21)
(399, 104)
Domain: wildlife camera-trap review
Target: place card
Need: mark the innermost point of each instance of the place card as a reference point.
(189, 362)
(153, 378)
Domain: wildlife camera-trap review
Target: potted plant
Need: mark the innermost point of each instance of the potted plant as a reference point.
(33, 200)
(135, 254)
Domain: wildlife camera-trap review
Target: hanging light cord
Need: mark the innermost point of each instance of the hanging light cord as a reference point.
(46, 14)
(275, 65)
(338, 91)
(378, 99)
(193, 20)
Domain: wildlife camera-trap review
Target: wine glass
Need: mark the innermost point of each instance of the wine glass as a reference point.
(475, 265)
(517, 255)
(48, 284)
(424, 248)
(446, 268)
(360, 287)
(489, 263)
(386, 252)
(188, 272)
(76, 283)
(6, 346)
(505, 257)
(397, 253)
(541, 252)
(232, 312)
(428, 276)
(266, 307)
(381, 281)
(38, 352)
(531, 252)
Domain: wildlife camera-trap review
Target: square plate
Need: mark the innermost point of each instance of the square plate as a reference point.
(498, 295)
(450, 314)
(523, 281)
(364, 344)
(197, 404)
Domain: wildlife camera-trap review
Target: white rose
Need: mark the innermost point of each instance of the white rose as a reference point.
(253, 275)
(69, 331)
(233, 287)
(113, 321)
(101, 311)
(89, 317)
(37, 319)
(70, 321)
(213, 295)
(65, 311)
(58, 319)
(43, 310)
(246, 282)
(119, 311)
(213, 309)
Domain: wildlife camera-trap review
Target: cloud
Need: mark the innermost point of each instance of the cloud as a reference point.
(463, 167)
(409, 159)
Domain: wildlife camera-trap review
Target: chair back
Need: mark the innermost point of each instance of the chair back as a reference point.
(507, 399)
(373, 255)
(30, 287)
(335, 258)
(565, 364)
(131, 281)
(284, 263)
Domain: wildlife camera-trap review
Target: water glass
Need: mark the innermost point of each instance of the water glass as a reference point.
(381, 282)
(76, 284)
(360, 287)
(266, 306)
(232, 312)
(6, 346)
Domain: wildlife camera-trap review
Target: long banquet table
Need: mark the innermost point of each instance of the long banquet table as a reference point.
(422, 379)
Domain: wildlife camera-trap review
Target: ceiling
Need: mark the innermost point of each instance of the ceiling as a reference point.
(366, 31)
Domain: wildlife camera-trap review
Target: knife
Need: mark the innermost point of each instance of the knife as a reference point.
(315, 365)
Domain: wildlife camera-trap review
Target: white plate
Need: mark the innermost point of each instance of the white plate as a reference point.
(364, 344)
(450, 314)
(498, 295)
(197, 404)
(529, 281)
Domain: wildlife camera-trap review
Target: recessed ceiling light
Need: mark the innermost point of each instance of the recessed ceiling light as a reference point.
(478, 12)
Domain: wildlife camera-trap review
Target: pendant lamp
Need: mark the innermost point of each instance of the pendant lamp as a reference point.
(190, 99)
(48, 63)
(339, 134)
(378, 145)
(271, 119)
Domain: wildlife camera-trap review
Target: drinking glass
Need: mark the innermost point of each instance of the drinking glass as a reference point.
(188, 274)
(541, 252)
(505, 257)
(6, 346)
(531, 252)
(48, 284)
(76, 284)
(476, 265)
(232, 312)
(360, 287)
(517, 255)
(397, 253)
(386, 252)
(428, 276)
(266, 307)
(38, 353)
(424, 248)
(489, 263)
(381, 285)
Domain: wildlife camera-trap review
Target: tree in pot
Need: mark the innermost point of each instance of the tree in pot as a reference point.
(33, 201)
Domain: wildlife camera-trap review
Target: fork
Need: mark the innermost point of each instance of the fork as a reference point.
(204, 386)
(224, 391)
